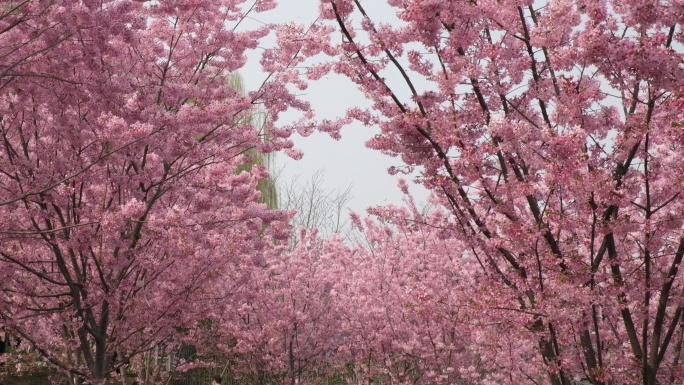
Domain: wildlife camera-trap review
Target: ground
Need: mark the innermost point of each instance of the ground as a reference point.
(26, 380)
(43, 379)
(29, 380)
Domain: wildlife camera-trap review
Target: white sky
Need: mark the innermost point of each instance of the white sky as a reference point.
(347, 161)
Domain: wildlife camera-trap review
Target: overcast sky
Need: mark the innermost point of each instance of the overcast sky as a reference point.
(347, 161)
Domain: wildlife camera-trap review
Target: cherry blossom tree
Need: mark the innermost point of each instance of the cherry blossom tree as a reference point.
(551, 131)
(287, 329)
(124, 221)
(402, 305)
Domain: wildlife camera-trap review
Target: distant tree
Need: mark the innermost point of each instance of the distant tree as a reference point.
(287, 328)
(316, 206)
(405, 302)
(258, 118)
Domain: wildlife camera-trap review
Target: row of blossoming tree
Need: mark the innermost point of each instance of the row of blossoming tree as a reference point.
(549, 132)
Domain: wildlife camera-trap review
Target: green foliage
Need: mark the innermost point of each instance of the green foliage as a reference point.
(25, 362)
(11, 7)
(266, 187)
